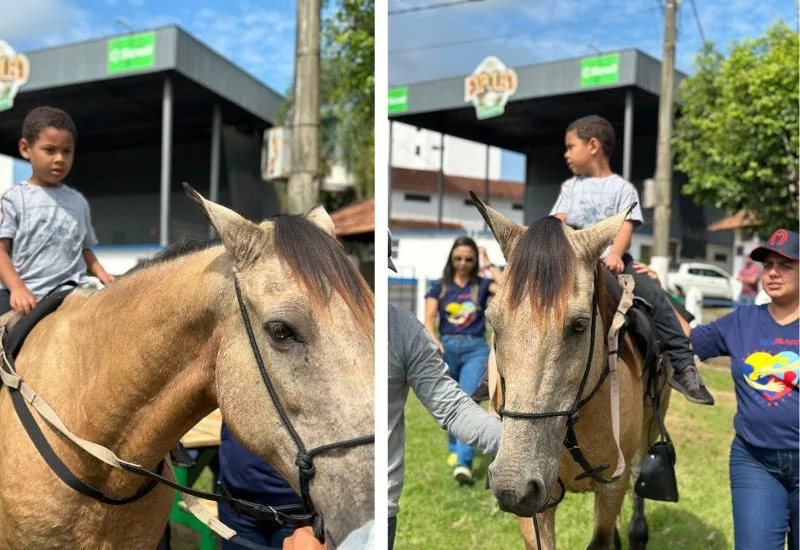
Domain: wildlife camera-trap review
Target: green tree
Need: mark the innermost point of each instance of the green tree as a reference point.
(347, 98)
(737, 134)
(349, 50)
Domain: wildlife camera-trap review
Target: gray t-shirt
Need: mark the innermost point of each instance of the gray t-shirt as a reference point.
(414, 362)
(49, 228)
(587, 201)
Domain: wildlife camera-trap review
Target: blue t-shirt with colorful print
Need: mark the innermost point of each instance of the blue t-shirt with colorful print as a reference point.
(765, 363)
(458, 313)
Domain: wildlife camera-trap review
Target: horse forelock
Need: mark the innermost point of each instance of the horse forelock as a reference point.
(542, 266)
(322, 267)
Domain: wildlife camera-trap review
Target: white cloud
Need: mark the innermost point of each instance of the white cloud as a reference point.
(39, 18)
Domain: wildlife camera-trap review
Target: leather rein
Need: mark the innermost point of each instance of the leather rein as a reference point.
(292, 514)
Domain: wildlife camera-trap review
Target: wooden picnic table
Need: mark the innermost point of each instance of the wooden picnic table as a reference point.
(205, 433)
(204, 438)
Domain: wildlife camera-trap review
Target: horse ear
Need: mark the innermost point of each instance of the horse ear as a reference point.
(593, 240)
(506, 231)
(319, 217)
(243, 238)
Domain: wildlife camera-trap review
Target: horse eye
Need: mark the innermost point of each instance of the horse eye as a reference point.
(580, 325)
(280, 332)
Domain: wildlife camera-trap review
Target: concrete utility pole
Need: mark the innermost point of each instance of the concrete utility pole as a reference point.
(303, 188)
(663, 209)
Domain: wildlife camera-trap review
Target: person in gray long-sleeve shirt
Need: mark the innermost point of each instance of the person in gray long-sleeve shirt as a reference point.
(415, 362)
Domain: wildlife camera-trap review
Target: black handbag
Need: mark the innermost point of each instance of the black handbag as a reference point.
(657, 479)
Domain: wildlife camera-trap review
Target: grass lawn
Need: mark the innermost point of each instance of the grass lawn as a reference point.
(436, 513)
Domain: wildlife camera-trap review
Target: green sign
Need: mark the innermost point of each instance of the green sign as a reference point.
(133, 52)
(398, 100)
(600, 70)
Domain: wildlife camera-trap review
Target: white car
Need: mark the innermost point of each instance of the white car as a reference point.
(712, 281)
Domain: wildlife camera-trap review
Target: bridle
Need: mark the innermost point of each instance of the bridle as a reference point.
(305, 458)
(291, 514)
(572, 414)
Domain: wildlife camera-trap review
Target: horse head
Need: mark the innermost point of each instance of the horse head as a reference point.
(312, 322)
(542, 318)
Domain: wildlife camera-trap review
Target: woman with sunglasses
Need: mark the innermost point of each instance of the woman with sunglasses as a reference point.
(459, 301)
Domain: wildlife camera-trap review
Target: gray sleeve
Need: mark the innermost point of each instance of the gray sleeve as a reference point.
(629, 195)
(448, 404)
(9, 214)
(90, 239)
(564, 200)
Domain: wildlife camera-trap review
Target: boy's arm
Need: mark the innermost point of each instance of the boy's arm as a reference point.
(8, 274)
(95, 267)
(22, 299)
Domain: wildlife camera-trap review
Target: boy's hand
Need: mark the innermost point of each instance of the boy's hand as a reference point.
(614, 264)
(439, 345)
(22, 300)
(303, 539)
(105, 278)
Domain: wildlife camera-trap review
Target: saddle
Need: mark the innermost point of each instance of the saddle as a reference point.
(19, 330)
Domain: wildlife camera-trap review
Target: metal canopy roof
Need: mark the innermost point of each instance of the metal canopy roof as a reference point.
(123, 109)
(549, 96)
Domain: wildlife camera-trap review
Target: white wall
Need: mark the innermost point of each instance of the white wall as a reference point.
(454, 209)
(424, 254)
(418, 149)
(6, 173)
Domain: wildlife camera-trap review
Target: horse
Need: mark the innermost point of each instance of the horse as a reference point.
(135, 365)
(543, 317)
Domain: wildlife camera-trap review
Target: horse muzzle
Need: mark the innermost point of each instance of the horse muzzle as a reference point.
(521, 491)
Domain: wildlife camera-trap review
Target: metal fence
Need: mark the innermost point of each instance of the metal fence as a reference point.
(403, 294)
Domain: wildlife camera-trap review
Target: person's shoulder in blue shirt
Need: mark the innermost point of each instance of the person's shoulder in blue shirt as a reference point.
(764, 365)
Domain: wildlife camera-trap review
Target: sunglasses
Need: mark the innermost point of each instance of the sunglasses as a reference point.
(467, 259)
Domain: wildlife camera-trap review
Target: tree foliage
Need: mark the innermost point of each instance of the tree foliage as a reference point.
(349, 51)
(347, 98)
(737, 134)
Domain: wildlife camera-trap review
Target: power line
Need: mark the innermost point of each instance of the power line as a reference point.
(505, 36)
(699, 25)
(432, 6)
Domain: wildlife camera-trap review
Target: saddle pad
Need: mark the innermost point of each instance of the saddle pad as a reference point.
(14, 339)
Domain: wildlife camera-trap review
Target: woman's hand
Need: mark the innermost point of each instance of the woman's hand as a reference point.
(645, 270)
(439, 345)
(303, 539)
(484, 256)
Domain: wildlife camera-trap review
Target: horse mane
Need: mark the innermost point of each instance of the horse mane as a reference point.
(322, 265)
(316, 258)
(543, 267)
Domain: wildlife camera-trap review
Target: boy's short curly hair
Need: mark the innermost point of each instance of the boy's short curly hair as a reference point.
(597, 127)
(47, 117)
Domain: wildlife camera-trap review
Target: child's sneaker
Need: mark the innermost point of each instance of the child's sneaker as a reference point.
(689, 383)
(463, 475)
(452, 459)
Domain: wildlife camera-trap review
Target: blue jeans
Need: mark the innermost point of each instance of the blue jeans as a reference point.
(266, 533)
(467, 357)
(764, 490)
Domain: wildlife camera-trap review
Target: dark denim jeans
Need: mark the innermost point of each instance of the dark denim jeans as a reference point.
(673, 341)
(392, 531)
(467, 358)
(765, 496)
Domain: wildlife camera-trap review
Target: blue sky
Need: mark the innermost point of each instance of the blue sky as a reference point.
(257, 35)
(534, 31)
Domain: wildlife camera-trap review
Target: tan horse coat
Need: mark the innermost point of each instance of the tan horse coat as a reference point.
(136, 365)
